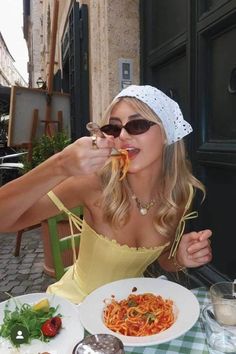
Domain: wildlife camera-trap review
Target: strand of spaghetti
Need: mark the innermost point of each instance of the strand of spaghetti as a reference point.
(139, 315)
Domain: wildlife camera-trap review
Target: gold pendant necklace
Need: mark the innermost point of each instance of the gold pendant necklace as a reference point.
(143, 207)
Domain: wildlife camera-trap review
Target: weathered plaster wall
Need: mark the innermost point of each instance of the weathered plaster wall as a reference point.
(123, 38)
(113, 34)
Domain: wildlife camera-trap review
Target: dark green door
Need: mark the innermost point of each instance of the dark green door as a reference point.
(188, 50)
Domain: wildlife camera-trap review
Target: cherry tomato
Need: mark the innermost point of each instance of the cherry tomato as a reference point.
(51, 327)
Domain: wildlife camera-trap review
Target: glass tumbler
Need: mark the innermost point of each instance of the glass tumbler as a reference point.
(220, 338)
(224, 300)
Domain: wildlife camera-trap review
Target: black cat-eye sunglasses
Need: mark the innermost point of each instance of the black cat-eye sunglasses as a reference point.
(133, 127)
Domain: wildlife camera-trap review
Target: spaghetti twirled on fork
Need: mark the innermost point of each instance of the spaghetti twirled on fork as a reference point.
(121, 163)
(139, 315)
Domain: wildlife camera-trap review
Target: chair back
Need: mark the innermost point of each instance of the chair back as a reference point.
(11, 164)
(10, 170)
(62, 244)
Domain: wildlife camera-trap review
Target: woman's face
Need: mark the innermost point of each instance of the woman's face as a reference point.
(145, 150)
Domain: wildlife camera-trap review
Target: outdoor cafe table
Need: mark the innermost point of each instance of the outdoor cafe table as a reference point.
(192, 342)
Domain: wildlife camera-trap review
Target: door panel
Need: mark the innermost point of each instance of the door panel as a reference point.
(164, 22)
(218, 61)
(205, 7)
(220, 217)
(171, 77)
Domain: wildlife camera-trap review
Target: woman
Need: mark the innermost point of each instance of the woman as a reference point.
(128, 222)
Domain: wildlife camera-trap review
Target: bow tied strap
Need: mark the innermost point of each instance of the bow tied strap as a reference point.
(75, 221)
(181, 226)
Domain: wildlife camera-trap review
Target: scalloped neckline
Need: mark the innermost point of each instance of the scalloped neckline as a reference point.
(136, 249)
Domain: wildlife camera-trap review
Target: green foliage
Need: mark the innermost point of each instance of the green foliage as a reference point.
(45, 147)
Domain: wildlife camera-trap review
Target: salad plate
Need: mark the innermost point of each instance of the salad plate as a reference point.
(63, 343)
(186, 308)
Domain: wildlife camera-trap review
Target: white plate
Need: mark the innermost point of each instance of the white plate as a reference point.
(187, 306)
(63, 343)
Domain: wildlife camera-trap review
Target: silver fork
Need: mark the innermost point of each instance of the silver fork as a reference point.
(94, 129)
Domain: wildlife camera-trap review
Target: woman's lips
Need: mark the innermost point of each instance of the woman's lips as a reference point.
(132, 152)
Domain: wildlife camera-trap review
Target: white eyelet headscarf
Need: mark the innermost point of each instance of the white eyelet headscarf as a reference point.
(165, 108)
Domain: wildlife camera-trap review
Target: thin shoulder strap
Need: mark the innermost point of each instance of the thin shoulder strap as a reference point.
(74, 220)
(57, 202)
(182, 222)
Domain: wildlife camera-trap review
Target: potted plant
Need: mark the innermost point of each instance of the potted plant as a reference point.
(42, 149)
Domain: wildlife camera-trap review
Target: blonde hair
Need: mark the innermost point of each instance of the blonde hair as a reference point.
(176, 179)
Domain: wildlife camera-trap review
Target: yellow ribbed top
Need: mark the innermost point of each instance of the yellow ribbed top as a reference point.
(100, 261)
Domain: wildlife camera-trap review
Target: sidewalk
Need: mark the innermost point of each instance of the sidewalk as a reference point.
(23, 274)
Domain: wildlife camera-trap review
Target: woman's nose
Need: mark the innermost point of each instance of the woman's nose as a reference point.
(124, 134)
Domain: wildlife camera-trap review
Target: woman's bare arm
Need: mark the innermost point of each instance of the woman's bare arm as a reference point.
(20, 195)
(24, 202)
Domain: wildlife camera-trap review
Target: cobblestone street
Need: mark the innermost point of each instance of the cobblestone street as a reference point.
(23, 274)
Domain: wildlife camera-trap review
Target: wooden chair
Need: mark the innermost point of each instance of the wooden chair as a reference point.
(6, 166)
(61, 245)
(19, 237)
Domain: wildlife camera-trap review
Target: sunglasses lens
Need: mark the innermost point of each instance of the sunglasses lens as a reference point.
(134, 127)
(138, 126)
(111, 129)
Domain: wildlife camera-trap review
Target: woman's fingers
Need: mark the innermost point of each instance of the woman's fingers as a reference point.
(200, 253)
(195, 249)
(84, 156)
(204, 234)
(198, 245)
(101, 144)
(198, 236)
(200, 250)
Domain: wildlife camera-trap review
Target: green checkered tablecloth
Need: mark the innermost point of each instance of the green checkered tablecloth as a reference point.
(192, 342)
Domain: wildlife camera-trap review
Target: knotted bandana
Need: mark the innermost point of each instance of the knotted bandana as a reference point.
(164, 107)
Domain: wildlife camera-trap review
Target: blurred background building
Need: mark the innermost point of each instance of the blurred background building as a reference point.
(9, 75)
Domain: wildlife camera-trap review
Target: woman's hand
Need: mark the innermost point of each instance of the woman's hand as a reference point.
(194, 249)
(82, 158)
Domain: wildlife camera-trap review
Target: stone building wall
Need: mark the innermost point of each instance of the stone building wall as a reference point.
(113, 34)
(9, 75)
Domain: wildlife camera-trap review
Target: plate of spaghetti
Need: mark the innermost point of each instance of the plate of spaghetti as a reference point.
(139, 315)
(140, 311)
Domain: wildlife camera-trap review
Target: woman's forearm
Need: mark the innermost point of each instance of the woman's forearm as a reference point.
(20, 194)
(22, 202)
